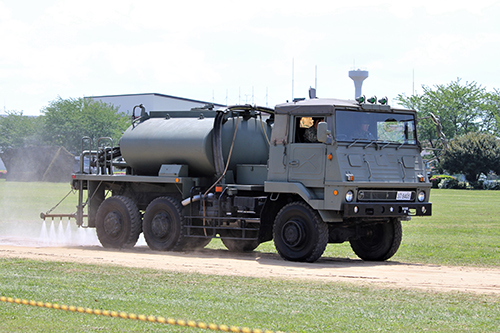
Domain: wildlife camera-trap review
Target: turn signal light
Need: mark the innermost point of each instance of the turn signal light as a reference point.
(421, 178)
(349, 177)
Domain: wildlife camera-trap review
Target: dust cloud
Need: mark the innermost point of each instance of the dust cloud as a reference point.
(52, 233)
(48, 233)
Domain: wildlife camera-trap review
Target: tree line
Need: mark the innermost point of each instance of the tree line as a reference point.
(468, 113)
(63, 123)
(470, 119)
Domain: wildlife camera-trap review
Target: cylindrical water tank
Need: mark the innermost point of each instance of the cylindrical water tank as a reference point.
(158, 141)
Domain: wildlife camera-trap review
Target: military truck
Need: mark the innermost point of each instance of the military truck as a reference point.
(304, 174)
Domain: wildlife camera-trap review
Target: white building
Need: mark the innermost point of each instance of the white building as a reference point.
(152, 102)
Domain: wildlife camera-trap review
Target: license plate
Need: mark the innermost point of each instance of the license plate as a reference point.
(403, 196)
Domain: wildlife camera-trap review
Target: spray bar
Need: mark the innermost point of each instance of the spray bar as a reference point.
(44, 216)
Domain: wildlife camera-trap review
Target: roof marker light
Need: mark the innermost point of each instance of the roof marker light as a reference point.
(361, 99)
(383, 100)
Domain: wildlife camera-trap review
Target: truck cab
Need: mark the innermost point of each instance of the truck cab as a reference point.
(358, 166)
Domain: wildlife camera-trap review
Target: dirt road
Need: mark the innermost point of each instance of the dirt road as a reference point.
(267, 265)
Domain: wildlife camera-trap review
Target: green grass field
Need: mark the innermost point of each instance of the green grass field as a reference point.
(256, 303)
(464, 230)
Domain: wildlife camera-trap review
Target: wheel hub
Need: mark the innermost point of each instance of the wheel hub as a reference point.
(113, 223)
(293, 233)
(160, 225)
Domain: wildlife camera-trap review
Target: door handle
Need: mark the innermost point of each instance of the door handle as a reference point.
(293, 163)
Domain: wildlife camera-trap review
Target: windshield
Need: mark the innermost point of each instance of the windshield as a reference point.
(375, 126)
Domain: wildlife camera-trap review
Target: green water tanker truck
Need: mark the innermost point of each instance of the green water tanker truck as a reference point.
(304, 174)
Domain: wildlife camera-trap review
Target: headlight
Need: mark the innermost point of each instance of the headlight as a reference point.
(421, 196)
(349, 196)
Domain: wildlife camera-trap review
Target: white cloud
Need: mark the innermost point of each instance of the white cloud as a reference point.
(406, 9)
(448, 49)
(198, 48)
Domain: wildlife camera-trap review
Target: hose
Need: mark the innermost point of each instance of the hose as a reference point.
(217, 144)
(198, 197)
(228, 157)
(264, 130)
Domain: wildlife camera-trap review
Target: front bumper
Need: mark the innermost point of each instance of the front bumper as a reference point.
(387, 209)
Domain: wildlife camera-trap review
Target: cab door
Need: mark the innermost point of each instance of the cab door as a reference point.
(306, 160)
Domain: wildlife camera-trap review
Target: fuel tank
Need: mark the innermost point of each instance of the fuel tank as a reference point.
(183, 140)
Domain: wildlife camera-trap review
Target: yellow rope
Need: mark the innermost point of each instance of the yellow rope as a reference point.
(125, 315)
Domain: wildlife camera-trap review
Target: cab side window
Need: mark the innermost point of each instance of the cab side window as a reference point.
(306, 129)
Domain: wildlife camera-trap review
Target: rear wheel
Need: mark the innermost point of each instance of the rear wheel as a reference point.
(163, 224)
(231, 240)
(118, 222)
(380, 241)
(299, 233)
(193, 243)
(200, 239)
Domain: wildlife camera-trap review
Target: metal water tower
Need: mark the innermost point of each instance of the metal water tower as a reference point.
(358, 76)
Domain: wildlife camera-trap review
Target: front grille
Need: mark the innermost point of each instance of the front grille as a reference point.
(381, 195)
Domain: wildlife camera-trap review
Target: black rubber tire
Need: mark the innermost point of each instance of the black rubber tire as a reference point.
(118, 222)
(195, 243)
(163, 225)
(299, 233)
(381, 243)
(236, 245)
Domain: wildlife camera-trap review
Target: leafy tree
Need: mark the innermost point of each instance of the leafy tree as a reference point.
(492, 116)
(18, 130)
(472, 154)
(461, 108)
(66, 121)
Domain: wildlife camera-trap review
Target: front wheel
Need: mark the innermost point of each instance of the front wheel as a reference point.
(299, 233)
(379, 242)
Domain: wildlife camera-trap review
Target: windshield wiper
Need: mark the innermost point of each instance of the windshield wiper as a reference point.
(388, 143)
(372, 142)
(354, 142)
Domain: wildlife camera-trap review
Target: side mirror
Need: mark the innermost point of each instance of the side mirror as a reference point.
(323, 132)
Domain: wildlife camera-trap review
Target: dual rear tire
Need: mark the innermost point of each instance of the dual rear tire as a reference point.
(119, 224)
(232, 243)
(163, 224)
(164, 227)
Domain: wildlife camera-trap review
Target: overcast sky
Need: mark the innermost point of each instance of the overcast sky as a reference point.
(241, 51)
